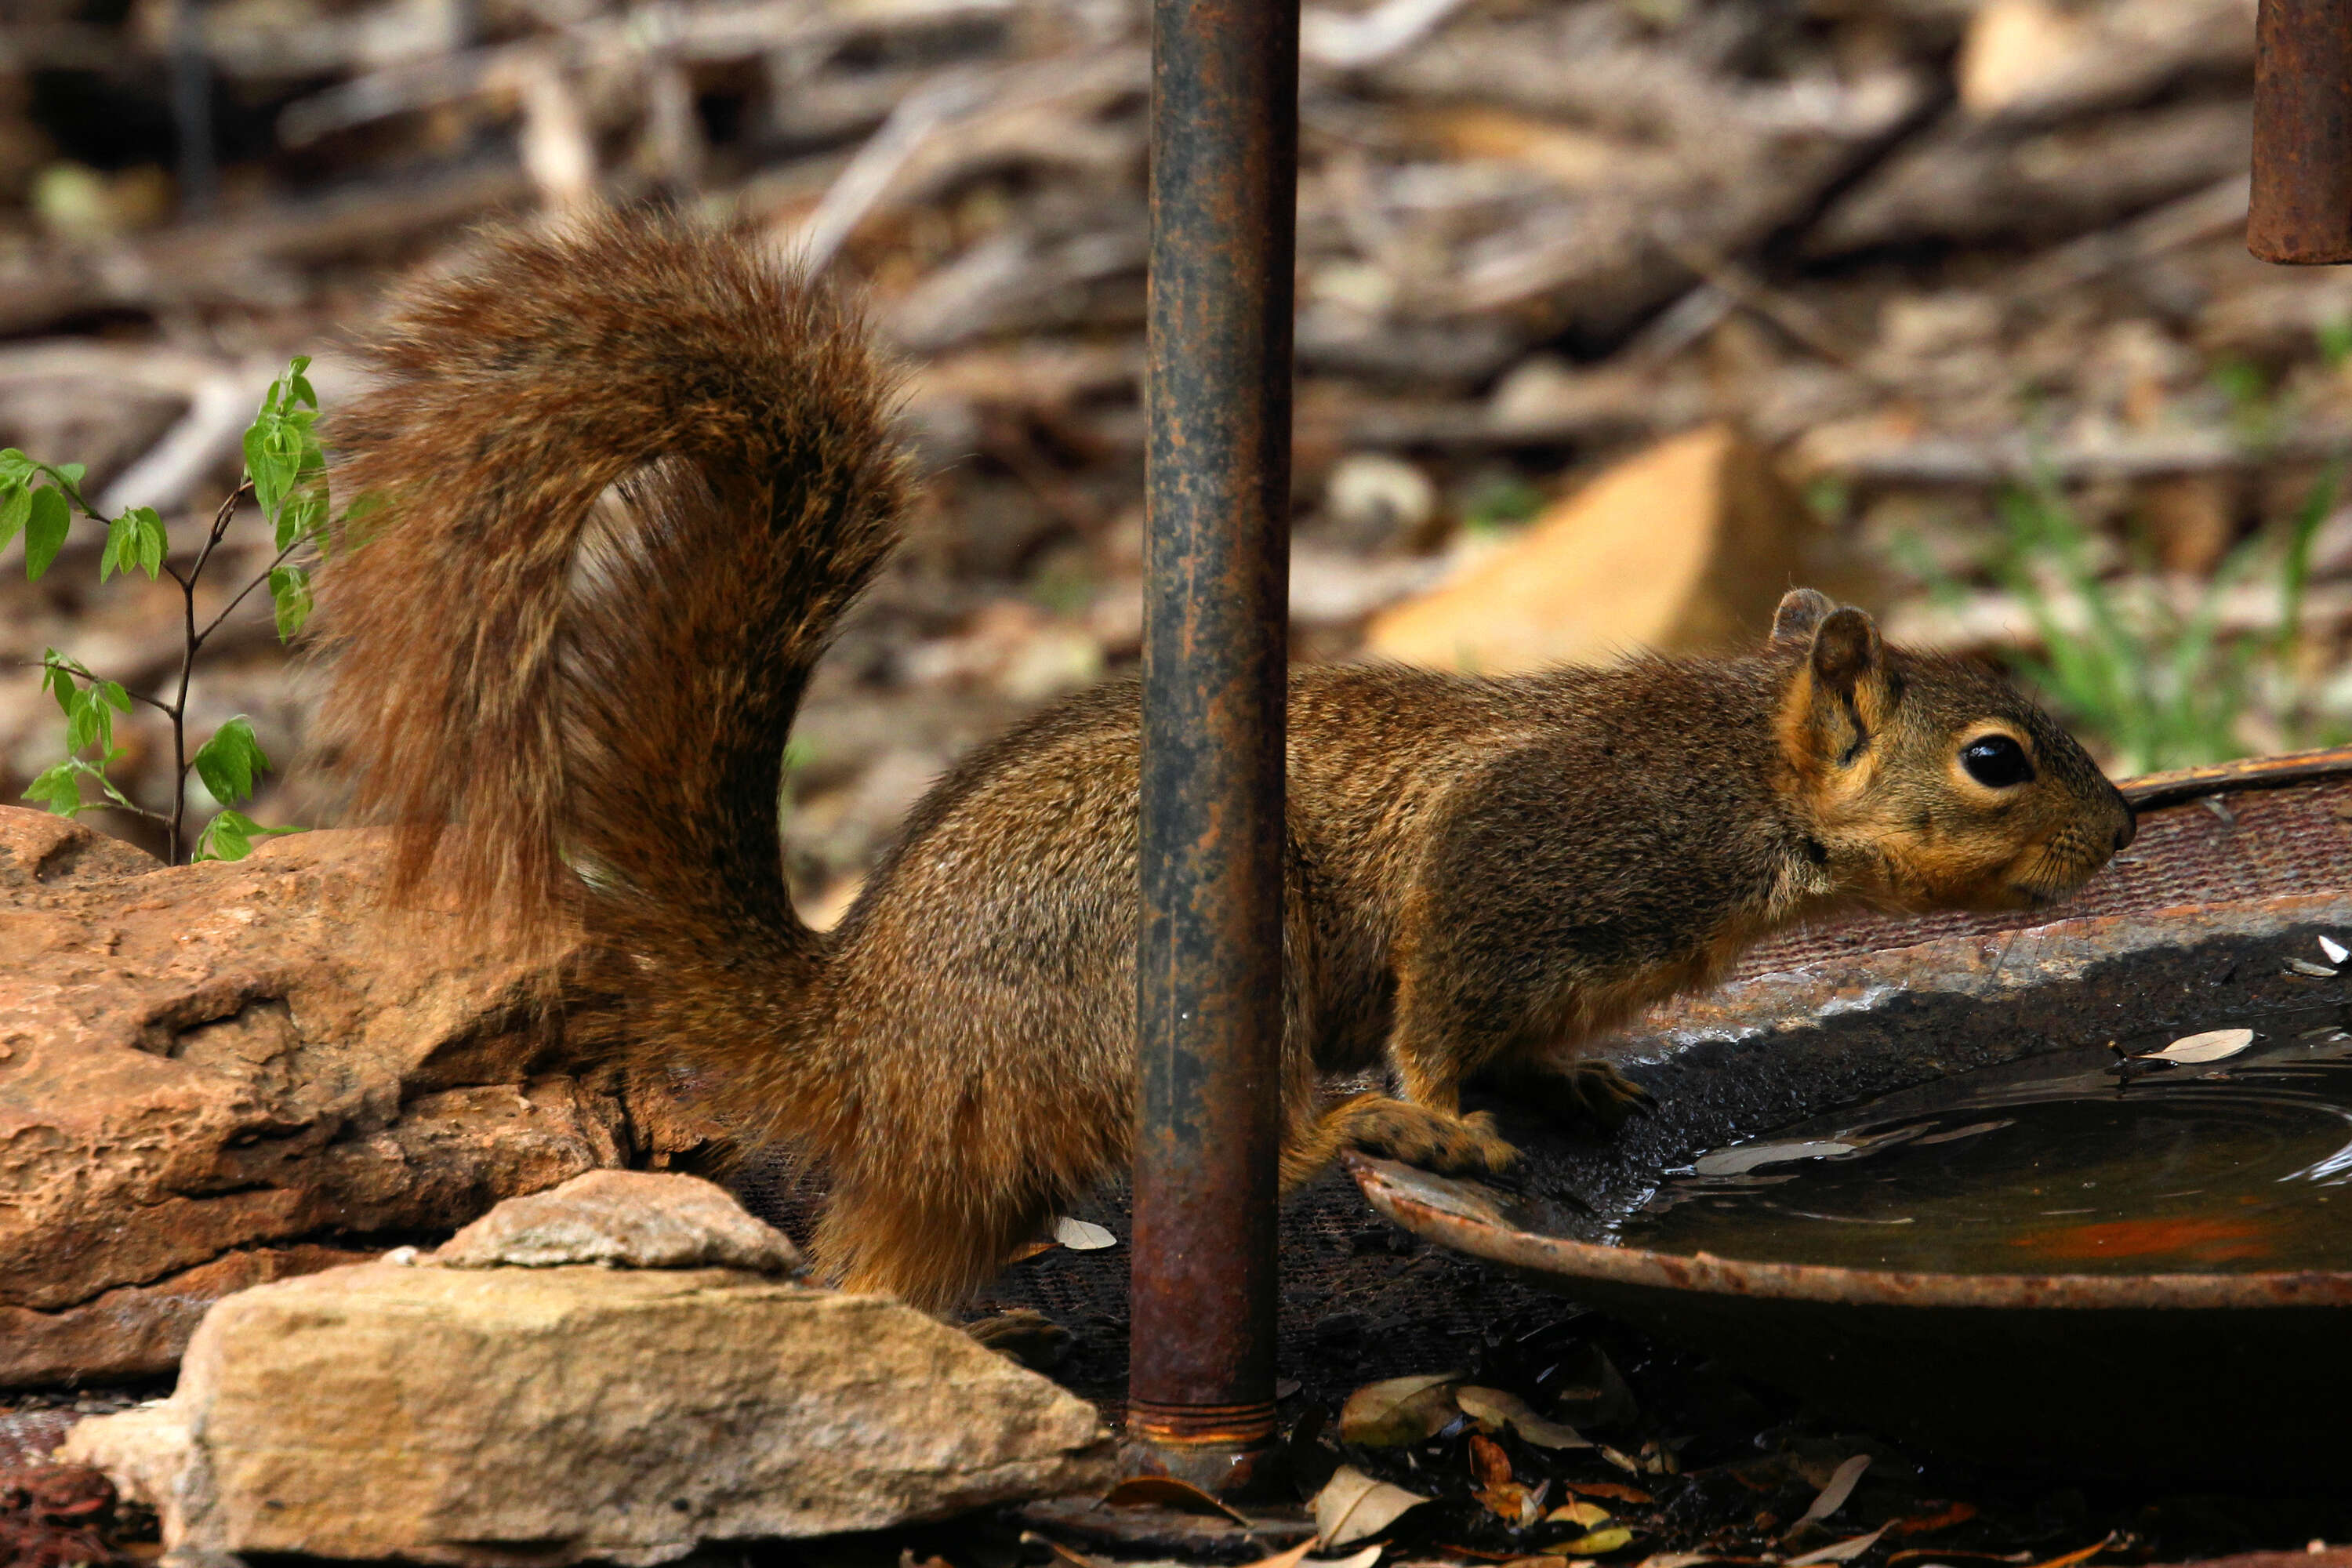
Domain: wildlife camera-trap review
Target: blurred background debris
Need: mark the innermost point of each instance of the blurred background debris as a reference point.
(1617, 317)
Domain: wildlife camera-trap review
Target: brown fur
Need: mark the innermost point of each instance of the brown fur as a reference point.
(583, 709)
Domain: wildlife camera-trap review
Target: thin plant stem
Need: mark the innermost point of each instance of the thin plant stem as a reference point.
(193, 643)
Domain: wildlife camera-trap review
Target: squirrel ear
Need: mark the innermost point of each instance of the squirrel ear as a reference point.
(1846, 651)
(1801, 609)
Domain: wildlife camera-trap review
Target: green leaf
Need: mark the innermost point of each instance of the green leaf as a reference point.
(56, 677)
(152, 540)
(45, 531)
(230, 836)
(305, 513)
(60, 789)
(121, 547)
(228, 762)
(290, 589)
(88, 721)
(16, 506)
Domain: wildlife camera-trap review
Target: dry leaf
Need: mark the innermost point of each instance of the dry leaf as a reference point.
(1397, 1410)
(1079, 1236)
(1029, 1249)
(2317, 971)
(1590, 1515)
(1167, 1491)
(2070, 1558)
(2336, 952)
(1677, 1559)
(1832, 1497)
(1502, 1494)
(1614, 1491)
(1840, 1551)
(1600, 1544)
(1290, 1559)
(1497, 1409)
(1364, 1559)
(1063, 1555)
(1352, 1506)
(2209, 1046)
(1950, 1515)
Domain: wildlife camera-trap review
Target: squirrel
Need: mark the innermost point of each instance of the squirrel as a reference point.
(633, 472)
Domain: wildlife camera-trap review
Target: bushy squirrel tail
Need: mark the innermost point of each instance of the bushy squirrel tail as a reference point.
(620, 482)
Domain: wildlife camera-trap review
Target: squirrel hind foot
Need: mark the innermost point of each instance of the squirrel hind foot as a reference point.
(1026, 1336)
(1433, 1141)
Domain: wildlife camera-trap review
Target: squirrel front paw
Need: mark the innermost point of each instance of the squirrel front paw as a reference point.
(1444, 1145)
(1588, 1092)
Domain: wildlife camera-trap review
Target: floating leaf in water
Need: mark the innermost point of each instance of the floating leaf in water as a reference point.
(1751, 1156)
(1397, 1410)
(2336, 952)
(1167, 1491)
(1970, 1130)
(2209, 1046)
(1497, 1409)
(1079, 1236)
(1352, 1506)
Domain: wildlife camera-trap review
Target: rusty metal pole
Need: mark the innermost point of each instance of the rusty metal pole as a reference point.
(1224, 144)
(2300, 208)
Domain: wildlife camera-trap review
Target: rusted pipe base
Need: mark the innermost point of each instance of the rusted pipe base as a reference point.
(1226, 1450)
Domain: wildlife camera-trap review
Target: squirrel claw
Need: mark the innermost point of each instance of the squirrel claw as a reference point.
(1593, 1091)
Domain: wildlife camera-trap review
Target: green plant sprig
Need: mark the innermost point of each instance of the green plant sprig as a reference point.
(284, 473)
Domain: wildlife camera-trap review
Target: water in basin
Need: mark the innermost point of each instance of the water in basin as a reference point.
(2050, 1165)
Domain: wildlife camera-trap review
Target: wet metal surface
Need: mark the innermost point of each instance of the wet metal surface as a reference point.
(1224, 169)
(2302, 204)
(2118, 1374)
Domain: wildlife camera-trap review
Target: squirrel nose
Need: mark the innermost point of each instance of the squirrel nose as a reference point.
(2128, 831)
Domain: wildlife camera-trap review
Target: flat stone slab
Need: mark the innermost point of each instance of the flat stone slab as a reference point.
(511, 1417)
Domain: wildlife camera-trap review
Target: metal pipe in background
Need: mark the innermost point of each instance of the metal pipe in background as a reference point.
(1224, 159)
(2300, 208)
(198, 171)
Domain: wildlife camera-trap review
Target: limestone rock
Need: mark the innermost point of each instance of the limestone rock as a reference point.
(1685, 547)
(503, 1416)
(202, 1061)
(628, 1219)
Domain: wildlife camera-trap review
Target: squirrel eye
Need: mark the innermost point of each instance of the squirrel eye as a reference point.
(1997, 762)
